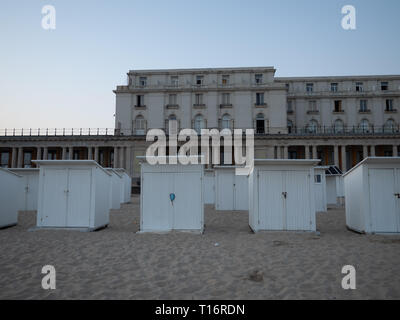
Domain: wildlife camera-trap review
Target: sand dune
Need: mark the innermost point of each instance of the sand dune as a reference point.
(117, 263)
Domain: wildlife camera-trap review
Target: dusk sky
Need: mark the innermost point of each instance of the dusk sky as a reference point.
(65, 77)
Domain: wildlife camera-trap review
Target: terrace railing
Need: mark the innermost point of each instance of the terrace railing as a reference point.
(301, 131)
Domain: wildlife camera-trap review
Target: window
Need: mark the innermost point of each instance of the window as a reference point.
(199, 80)
(140, 125)
(198, 99)
(258, 78)
(259, 99)
(334, 87)
(143, 81)
(226, 121)
(312, 126)
(390, 126)
(338, 126)
(317, 178)
(174, 81)
(172, 124)
(76, 155)
(384, 86)
(4, 159)
(172, 99)
(389, 105)
(52, 155)
(338, 106)
(309, 87)
(290, 126)
(363, 106)
(292, 154)
(260, 123)
(359, 87)
(287, 86)
(226, 99)
(199, 123)
(312, 106)
(364, 125)
(290, 106)
(225, 80)
(140, 101)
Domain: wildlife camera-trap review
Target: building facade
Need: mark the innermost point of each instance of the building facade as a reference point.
(340, 120)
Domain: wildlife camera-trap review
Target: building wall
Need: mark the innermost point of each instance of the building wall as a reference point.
(341, 149)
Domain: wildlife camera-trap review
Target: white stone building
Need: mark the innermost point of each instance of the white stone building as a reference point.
(340, 120)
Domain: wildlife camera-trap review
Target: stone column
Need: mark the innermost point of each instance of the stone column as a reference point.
(372, 151)
(96, 154)
(395, 152)
(116, 158)
(70, 153)
(307, 151)
(38, 153)
(90, 153)
(128, 166)
(336, 155)
(121, 157)
(64, 153)
(20, 157)
(314, 152)
(45, 152)
(14, 158)
(285, 152)
(365, 152)
(344, 162)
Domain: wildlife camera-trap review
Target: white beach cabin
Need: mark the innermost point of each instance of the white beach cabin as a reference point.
(171, 197)
(372, 190)
(126, 185)
(231, 190)
(334, 186)
(320, 189)
(281, 195)
(116, 188)
(73, 194)
(10, 187)
(29, 188)
(209, 186)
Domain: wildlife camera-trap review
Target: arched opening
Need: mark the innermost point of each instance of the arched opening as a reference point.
(226, 121)
(140, 125)
(390, 126)
(364, 125)
(199, 123)
(338, 126)
(312, 126)
(172, 124)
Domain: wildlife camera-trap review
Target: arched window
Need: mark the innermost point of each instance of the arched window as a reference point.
(312, 126)
(260, 123)
(390, 126)
(338, 126)
(199, 123)
(364, 125)
(226, 121)
(140, 125)
(172, 124)
(290, 126)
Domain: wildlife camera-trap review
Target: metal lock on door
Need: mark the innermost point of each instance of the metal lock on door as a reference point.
(284, 194)
(397, 195)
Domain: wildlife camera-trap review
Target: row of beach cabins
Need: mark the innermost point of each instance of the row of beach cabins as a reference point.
(279, 195)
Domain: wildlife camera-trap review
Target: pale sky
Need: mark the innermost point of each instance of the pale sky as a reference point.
(65, 77)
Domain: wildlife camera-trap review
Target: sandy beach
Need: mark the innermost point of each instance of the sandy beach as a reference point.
(118, 263)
